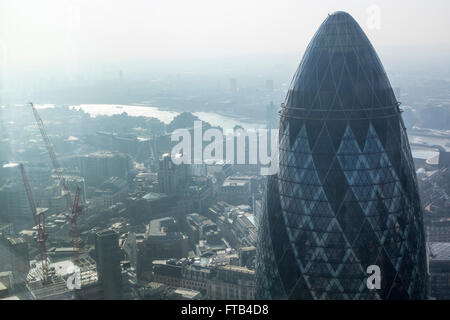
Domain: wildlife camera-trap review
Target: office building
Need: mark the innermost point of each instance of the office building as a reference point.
(108, 258)
(345, 197)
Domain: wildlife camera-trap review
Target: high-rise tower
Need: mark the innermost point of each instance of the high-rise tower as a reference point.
(108, 263)
(345, 197)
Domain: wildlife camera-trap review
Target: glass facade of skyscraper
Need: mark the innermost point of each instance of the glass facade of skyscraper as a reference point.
(345, 197)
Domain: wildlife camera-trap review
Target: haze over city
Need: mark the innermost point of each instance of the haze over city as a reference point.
(224, 150)
(92, 40)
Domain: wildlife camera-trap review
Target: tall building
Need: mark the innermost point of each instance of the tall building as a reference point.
(14, 257)
(271, 116)
(98, 166)
(345, 197)
(108, 263)
(14, 204)
(172, 178)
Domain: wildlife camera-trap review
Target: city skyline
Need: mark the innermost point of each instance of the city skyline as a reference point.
(228, 151)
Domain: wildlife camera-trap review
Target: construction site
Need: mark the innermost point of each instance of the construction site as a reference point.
(47, 277)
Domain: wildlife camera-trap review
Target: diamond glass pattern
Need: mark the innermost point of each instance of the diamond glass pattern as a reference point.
(346, 193)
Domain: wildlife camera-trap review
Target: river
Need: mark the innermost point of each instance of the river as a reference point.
(165, 116)
(228, 122)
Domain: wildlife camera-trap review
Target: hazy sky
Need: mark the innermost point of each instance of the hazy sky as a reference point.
(52, 30)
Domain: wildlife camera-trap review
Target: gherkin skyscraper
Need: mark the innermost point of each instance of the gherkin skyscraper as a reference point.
(345, 197)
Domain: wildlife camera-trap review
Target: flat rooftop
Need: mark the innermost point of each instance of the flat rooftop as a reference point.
(154, 196)
(187, 293)
(439, 251)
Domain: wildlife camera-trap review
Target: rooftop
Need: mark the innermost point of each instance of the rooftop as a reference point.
(154, 196)
(439, 251)
(187, 293)
(159, 229)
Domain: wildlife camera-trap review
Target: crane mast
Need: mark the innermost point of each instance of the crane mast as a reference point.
(39, 221)
(74, 207)
(53, 158)
(76, 211)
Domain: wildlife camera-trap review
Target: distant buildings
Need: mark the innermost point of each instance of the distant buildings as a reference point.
(110, 192)
(99, 166)
(345, 197)
(152, 205)
(271, 116)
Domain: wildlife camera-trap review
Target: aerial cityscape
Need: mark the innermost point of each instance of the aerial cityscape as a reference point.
(209, 168)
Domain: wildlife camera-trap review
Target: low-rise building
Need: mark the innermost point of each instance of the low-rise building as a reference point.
(202, 228)
(110, 192)
(215, 280)
(439, 267)
(236, 190)
(162, 240)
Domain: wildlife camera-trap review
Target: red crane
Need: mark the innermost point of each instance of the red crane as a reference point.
(72, 206)
(39, 221)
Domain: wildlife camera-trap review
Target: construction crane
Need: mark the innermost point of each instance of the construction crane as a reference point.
(53, 158)
(76, 211)
(62, 182)
(39, 221)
